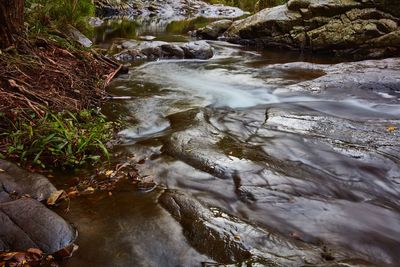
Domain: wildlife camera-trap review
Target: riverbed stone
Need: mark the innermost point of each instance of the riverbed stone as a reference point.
(344, 27)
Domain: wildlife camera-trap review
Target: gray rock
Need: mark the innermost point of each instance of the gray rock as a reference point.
(172, 51)
(198, 49)
(351, 27)
(229, 240)
(162, 50)
(338, 170)
(213, 30)
(26, 223)
(78, 36)
(14, 179)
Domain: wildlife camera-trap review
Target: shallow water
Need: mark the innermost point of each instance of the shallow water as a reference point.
(290, 160)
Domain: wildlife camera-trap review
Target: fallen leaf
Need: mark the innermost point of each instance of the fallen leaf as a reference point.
(109, 173)
(237, 237)
(55, 197)
(73, 194)
(8, 256)
(391, 128)
(89, 190)
(1, 170)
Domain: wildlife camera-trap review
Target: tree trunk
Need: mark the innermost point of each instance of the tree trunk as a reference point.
(11, 21)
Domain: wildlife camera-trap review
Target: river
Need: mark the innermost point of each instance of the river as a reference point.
(235, 133)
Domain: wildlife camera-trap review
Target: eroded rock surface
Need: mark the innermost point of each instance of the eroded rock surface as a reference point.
(355, 27)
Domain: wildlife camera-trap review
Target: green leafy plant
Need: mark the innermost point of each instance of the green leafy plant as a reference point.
(59, 140)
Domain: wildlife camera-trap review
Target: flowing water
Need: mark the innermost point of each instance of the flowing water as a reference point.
(236, 133)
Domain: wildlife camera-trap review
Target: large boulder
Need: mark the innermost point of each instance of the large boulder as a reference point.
(363, 29)
(24, 221)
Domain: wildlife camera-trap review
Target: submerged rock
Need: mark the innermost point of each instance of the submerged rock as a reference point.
(162, 50)
(354, 27)
(229, 240)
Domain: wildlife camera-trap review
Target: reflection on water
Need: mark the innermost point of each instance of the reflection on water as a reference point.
(167, 29)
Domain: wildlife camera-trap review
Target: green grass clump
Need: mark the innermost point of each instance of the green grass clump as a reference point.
(60, 140)
(44, 14)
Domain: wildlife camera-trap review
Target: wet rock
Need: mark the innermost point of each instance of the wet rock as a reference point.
(198, 49)
(26, 223)
(373, 80)
(350, 27)
(213, 30)
(228, 240)
(163, 50)
(321, 169)
(13, 179)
